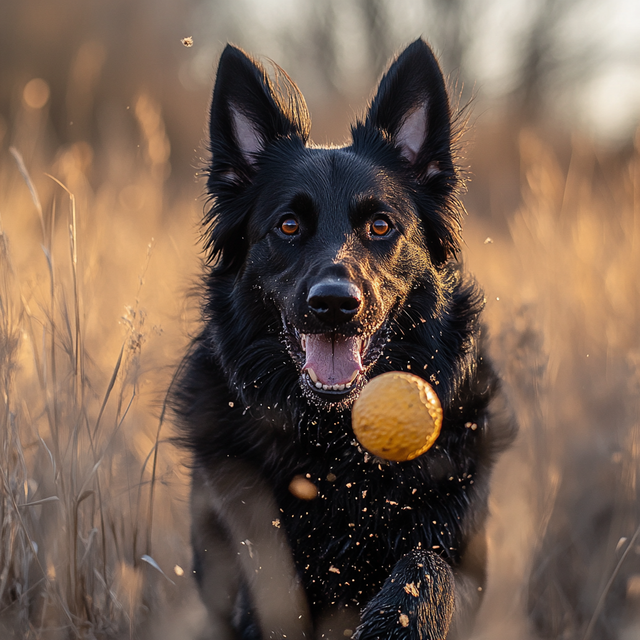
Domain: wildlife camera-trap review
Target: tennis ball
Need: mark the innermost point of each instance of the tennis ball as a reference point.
(397, 416)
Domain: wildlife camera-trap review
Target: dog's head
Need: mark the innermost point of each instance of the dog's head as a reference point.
(334, 240)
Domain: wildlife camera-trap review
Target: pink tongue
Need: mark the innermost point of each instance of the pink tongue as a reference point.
(334, 361)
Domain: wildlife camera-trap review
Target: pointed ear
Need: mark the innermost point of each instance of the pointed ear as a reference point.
(411, 108)
(248, 111)
(411, 112)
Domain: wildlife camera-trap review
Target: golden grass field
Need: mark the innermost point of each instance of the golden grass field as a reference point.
(95, 312)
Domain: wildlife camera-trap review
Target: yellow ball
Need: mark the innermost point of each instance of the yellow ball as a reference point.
(397, 416)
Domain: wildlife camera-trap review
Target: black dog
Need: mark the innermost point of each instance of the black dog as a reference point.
(326, 267)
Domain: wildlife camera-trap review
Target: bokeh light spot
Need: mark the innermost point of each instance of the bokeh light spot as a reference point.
(36, 93)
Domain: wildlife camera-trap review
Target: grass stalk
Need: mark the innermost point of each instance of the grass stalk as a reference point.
(607, 587)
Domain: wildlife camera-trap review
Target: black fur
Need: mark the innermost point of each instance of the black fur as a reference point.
(269, 564)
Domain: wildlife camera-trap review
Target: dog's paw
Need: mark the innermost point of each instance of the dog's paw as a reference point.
(415, 603)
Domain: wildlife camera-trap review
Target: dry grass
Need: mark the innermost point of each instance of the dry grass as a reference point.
(92, 320)
(92, 497)
(564, 309)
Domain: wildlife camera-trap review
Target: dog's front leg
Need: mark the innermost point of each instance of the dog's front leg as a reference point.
(424, 599)
(416, 601)
(235, 509)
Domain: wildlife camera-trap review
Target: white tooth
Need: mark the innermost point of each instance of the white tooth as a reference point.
(303, 342)
(312, 374)
(335, 387)
(319, 385)
(340, 387)
(325, 387)
(348, 385)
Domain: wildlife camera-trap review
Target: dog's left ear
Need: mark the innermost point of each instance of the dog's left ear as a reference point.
(412, 113)
(412, 109)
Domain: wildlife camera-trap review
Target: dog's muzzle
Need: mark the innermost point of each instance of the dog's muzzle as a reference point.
(334, 301)
(334, 351)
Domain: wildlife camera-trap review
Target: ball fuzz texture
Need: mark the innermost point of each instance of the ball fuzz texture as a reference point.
(397, 416)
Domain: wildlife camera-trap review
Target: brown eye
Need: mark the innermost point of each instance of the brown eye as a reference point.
(380, 227)
(289, 226)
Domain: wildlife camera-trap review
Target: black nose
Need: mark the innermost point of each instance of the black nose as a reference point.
(334, 301)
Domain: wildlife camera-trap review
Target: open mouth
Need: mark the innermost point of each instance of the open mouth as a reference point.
(333, 363)
(333, 366)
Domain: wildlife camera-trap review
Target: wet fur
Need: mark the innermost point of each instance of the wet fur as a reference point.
(270, 565)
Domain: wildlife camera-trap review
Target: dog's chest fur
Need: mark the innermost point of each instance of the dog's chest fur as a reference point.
(369, 513)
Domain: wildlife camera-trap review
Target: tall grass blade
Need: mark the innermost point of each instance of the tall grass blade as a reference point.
(32, 189)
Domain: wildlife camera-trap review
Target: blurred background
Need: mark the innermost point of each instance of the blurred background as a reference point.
(103, 108)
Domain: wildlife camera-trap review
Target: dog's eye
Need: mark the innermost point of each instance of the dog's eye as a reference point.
(289, 226)
(380, 227)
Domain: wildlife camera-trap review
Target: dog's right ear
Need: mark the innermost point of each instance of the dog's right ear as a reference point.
(248, 111)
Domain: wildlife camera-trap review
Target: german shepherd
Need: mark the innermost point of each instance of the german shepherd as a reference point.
(327, 266)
